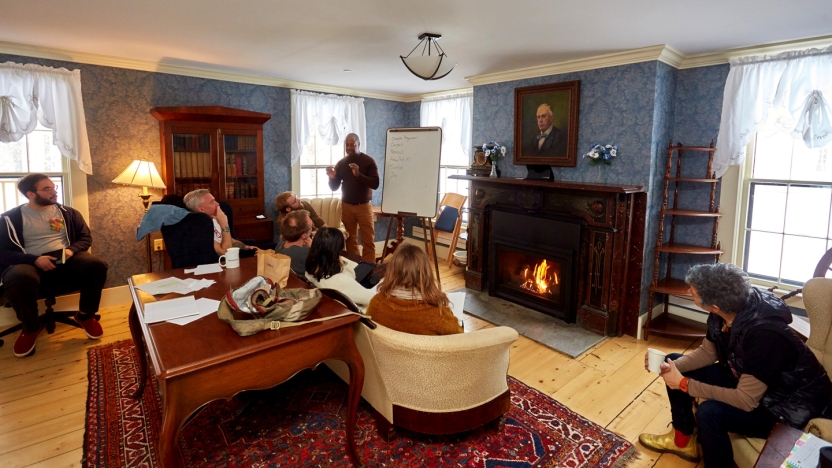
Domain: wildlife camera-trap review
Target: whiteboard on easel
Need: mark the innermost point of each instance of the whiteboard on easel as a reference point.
(411, 171)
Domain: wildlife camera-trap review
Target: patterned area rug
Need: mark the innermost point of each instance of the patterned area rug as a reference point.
(300, 423)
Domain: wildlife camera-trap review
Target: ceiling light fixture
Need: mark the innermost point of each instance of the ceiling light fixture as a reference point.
(427, 66)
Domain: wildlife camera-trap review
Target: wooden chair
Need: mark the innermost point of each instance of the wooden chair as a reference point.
(455, 201)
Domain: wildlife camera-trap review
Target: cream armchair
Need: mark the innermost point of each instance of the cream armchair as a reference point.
(329, 209)
(433, 384)
(817, 297)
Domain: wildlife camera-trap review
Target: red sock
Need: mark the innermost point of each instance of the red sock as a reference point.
(681, 439)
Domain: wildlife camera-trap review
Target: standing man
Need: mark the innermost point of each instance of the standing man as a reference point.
(357, 176)
(201, 201)
(32, 238)
(551, 141)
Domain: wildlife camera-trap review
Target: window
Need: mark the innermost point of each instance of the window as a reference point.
(33, 153)
(453, 114)
(788, 200)
(316, 156)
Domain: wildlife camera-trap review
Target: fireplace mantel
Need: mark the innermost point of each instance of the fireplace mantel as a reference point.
(556, 184)
(612, 240)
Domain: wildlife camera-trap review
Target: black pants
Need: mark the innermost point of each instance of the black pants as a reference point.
(714, 418)
(23, 284)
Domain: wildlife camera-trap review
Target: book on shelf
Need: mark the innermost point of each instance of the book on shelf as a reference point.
(177, 167)
(238, 164)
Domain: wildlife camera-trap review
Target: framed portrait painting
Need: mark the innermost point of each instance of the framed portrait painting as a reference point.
(546, 124)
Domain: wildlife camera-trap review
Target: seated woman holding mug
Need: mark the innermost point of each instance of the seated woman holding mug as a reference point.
(408, 298)
(326, 269)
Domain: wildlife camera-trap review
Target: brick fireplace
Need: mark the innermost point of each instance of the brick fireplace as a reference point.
(570, 250)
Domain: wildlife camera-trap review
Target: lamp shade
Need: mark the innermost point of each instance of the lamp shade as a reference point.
(140, 173)
(429, 67)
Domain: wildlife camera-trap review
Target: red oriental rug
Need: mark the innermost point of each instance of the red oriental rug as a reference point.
(300, 423)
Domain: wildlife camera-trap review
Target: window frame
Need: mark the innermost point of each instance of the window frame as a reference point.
(68, 182)
(741, 230)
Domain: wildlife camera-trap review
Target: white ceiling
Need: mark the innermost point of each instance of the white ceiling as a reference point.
(315, 40)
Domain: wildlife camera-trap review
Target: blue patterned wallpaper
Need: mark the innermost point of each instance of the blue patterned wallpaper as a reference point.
(117, 103)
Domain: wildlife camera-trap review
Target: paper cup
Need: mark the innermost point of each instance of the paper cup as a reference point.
(655, 358)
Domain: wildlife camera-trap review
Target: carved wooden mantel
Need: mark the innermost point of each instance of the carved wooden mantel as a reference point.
(612, 240)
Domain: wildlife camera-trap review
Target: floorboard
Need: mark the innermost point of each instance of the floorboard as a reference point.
(43, 397)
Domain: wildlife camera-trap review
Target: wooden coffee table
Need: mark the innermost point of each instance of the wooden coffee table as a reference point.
(206, 360)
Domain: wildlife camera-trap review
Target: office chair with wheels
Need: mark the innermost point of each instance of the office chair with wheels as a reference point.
(50, 318)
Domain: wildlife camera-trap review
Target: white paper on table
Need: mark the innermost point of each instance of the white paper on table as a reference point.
(170, 309)
(457, 300)
(162, 286)
(206, 307)
(806, 452)
(206, 269)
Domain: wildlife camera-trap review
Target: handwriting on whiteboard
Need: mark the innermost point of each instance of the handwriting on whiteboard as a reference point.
(396, 160)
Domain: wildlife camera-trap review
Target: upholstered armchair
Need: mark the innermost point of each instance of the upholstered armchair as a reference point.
(329, 209)
(433, 384)
(817, 297)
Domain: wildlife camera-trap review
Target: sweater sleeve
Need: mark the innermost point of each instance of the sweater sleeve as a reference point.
(704, 355)
(746, 396)
(370, 179)
(335, 182)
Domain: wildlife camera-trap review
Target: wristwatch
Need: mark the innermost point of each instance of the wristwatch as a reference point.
(226, 229)
(683, 384)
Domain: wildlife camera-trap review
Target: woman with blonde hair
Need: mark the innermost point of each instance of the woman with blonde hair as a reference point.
(408, 298)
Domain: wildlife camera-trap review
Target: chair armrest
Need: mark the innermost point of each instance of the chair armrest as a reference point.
(820, 427)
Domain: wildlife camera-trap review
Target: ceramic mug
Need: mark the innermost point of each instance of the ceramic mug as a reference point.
(231, 257)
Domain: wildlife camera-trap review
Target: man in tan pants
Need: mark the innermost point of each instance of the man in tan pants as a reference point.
(357, 176)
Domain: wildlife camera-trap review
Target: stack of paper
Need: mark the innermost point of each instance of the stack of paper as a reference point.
(180, 311)
(206, 269)
(175, 285)
(805, 453)
(457, 300)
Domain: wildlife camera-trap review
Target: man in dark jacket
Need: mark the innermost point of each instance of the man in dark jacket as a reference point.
(752, 370)
(43, 248)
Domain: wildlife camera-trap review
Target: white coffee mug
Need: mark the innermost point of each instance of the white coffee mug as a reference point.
(231, 257)
(655, 359)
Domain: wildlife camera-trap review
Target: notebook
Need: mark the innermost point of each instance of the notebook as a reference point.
(60, 254)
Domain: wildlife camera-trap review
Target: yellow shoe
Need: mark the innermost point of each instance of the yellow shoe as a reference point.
(666, 443)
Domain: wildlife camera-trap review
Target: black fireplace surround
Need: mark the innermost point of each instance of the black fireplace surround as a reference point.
(517, 243)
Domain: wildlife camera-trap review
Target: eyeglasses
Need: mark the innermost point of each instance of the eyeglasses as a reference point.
(49, 189)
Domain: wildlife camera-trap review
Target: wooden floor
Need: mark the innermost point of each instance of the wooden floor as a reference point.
(43, 397)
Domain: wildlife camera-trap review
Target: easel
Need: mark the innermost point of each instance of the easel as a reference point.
(400, 215)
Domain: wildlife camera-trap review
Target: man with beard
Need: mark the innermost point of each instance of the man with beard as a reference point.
(356, 174)
(27, 234)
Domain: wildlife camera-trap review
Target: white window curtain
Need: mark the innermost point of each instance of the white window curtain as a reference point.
(332, 116)
(454, 115)
(31, 93)
(788, 92)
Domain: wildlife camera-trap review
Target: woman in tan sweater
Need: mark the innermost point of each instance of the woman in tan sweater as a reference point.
(408, 298)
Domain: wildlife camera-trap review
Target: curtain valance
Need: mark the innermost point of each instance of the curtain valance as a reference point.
(333, 117)
(788, 92)
(31, 93)
(454, 115)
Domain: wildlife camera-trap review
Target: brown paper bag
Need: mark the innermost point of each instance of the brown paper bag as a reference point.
(274, 266)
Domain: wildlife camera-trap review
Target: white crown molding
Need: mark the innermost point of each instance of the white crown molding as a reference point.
(723, 56)
(662, 53)
(626, 57)
(197, 72)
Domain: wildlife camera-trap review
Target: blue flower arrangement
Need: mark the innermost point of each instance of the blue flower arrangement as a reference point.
(493, 150)
(601, 153)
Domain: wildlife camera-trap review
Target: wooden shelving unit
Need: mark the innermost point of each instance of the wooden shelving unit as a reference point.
(220, 149)
(667, 324)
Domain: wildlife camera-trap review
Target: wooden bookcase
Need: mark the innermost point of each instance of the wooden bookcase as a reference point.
(668, 324)
(220, 149)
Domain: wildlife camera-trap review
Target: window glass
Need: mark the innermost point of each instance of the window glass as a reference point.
(33, 153)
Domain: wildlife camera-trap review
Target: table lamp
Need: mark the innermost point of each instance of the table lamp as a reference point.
(141, 173)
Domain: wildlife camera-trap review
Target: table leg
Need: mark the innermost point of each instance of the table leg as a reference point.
(176, 410)
(356, 365)
(138, 342)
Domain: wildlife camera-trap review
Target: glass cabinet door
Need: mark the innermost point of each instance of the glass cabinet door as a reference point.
(240, 157)
(191, 162)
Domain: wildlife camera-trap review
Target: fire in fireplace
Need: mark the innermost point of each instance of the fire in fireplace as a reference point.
(531, 262)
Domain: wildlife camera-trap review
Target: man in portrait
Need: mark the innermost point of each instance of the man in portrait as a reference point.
(550, 141)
